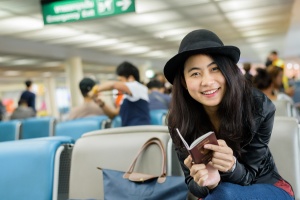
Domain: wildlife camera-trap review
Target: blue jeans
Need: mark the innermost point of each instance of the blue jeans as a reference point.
(229, 191)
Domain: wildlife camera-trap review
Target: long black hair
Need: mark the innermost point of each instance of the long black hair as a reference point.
(234, 111)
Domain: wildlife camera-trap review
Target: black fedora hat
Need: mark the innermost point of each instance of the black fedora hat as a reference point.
(197, 42)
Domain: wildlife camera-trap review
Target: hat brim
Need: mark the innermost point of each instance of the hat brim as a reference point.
(172, 66)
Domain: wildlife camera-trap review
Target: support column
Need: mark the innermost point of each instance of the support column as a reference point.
(74, 74)
(142, 69)
(50, 96)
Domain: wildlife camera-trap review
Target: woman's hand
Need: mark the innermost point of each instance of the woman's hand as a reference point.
(223, 159)
(203, 175)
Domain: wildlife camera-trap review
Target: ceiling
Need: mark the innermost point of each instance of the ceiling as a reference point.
(150, 36)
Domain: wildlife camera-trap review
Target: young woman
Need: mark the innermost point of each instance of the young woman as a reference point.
(211, 94)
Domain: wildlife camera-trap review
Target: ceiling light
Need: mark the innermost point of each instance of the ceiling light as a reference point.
(149, 73)
(155, 54)
(137, 50)
(11, 73)
(19, 24)
(78, 39)
(5, 58)
(50, 33)
(174, 32)
(52, 64)
(289, 66)
(23, 62)
(4, 14)
(122, 46)
(150, 18)
(104, 42)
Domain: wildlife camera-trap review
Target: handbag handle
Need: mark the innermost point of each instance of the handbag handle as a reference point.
(151, 141)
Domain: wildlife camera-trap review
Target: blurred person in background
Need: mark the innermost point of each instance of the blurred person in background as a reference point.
(269, 85)
(2, 110)
(161, 78)
(277, 75)
(247, 68)
(28, 95)
(89, 107)
(23, 111)
(274, 60)
(264, 81)
(157, 98)
(134, 109)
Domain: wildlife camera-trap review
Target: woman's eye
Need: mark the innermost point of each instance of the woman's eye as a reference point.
(215, 69)
(195, 74)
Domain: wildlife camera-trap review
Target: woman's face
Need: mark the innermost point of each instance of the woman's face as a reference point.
(204, 80)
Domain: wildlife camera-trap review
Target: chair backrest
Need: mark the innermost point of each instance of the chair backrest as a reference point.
(158, 117)
(296, 96)
(112, 148)
(37, 127)
(32, 168)
(76, 128)
(102, 119)
(116, 122)
(9, 130)
(284, 145)
(283, 108)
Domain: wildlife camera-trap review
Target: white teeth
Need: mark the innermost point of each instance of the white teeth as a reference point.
(210, 92)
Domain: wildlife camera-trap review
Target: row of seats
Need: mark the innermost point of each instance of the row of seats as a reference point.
(47, 126)
(57, 168)
(27, 128)
(29, 168)
(285, 108)
(285, 148)
(36, 169)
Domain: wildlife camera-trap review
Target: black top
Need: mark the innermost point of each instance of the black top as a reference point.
(30, 98)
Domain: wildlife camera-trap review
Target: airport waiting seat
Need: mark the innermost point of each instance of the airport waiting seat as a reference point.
(283, 108)
(102, 119)
(76, 128)
(9, 130)
(113, 148)
(116, 122)
(35, 168)
(37, 127)
(158, 117)
(285, 148)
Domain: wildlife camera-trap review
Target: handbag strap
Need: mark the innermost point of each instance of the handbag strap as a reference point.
(151, 141)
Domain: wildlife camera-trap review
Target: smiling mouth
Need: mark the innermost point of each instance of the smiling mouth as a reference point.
(210, 91)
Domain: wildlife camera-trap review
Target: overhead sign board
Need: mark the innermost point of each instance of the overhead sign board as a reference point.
(56, 12)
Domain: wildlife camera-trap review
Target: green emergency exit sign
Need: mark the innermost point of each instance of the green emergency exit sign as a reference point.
(75, 10)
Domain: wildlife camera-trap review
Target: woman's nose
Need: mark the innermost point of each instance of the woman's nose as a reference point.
(207, 79)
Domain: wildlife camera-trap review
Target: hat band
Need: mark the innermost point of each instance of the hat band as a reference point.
(200, 45)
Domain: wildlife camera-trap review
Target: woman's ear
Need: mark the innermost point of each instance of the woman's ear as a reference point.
(183, 83)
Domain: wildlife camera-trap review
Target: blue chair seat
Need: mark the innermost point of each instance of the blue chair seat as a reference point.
(9, 130)
(158, 117)
(75, 128)
(29, 168)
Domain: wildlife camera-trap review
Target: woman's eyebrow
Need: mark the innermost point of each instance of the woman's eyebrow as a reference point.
(198, 68)
(212, 63)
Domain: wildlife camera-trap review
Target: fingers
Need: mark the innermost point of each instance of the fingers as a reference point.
(188, 162)
(199, 174)
(222, 147)
(198, 171)
(223, 164)
(222, 157)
